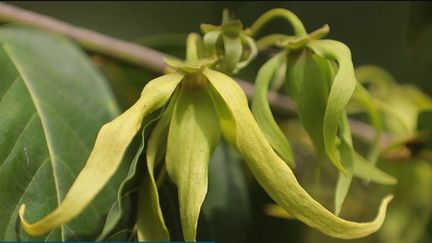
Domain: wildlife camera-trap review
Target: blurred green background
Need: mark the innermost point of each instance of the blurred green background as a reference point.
(394, 35)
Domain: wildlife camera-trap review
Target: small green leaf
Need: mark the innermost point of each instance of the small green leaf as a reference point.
(273, 174)
(262, 113)
(193, 135)
(341, 90)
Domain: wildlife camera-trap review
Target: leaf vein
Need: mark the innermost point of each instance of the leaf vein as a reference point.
(9, 88)
(18, 139)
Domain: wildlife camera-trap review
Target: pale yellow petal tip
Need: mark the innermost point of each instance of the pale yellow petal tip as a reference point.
(21, 214)
(275, 210)
(388, 198)
(27, 227)
(392, 181)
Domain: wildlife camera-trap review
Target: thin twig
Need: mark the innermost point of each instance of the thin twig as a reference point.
(138, 55)
(113, 47)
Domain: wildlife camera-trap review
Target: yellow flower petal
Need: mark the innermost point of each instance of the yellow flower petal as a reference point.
(262, 113)
(111, 144)
(193, 135)
(150, 224)
(341, 90)
(272, 172)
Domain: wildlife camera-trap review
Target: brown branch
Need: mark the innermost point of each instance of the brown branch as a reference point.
(138, 55)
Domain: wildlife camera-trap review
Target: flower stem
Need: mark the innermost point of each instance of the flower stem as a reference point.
(264, 19)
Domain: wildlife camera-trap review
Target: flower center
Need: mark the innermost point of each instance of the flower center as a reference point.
(194, 80)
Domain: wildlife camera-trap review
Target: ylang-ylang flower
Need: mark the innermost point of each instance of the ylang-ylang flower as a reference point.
(199, 106)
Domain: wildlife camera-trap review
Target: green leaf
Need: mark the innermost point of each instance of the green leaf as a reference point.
(52, 104)
(151, 224)
(271, 171)
(193, 135)
(262, 113)
(111, 144)
(341, 90)
(308, 85)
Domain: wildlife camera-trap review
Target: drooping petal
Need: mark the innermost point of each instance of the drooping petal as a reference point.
(367, 171)
(262, 113)
(341, 90)
(253, 51)
(110, 146)
(346, 152)
(150, 224)
(279, 78)
(273, 173)
(193, 135)
(307, 84)
(365, 99)
(117, 213)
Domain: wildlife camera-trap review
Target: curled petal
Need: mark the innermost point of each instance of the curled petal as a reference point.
(253, 51)
(362, 96)
(341, 90)
(193, 135)
(262, 113)
(233, 52)
(367, 171)
(308, 76)
(272, 172)
(209, 41)
(150, 224)
(110, 146)
(346, 152)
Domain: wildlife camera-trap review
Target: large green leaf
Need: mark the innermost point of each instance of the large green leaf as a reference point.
(53, 103)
